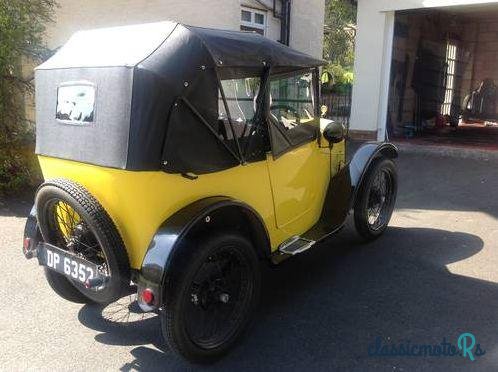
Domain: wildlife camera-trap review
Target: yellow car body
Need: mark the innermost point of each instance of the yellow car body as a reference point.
(287, 192)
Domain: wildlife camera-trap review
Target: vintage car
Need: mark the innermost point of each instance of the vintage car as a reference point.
(176, 159)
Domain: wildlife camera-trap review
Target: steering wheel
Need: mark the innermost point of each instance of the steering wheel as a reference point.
(288, 108)
(285, 107)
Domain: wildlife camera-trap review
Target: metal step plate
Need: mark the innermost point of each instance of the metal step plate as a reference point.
(296, 245)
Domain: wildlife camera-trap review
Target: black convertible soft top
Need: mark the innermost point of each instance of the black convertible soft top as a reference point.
(130, 45)
(250, 49)
(156, 92)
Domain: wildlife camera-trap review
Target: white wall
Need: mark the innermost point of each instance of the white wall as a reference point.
(72, 15)
(307, 19)
(373, 57)
(369, 57)
(76, 15)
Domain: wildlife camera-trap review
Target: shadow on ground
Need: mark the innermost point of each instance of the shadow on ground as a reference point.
(322, 309)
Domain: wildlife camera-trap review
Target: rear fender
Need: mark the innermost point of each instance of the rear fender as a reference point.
(32, 235)
(171, 242)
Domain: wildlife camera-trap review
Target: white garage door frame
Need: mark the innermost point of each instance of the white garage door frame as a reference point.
(371, 89)
(386, 76)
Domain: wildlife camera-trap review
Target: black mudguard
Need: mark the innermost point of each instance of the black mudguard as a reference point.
(32, 235)
(343, 188)
(203, 216)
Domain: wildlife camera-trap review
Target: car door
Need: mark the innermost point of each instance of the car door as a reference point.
(299, 168)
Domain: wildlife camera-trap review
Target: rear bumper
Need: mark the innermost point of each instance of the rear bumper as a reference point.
(32, 235)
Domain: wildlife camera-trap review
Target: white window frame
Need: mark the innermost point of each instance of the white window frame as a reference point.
(451, 71)
(252, 23)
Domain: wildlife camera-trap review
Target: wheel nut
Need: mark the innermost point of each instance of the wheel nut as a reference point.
(224, 297)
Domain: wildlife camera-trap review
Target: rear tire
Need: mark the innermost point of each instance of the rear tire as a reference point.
(64, 288)
(98, 224)
(190, 295)
(370, 198)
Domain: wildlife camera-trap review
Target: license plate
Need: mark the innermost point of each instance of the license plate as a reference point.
(66, 263)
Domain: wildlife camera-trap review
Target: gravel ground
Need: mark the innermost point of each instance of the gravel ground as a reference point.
(433, 275)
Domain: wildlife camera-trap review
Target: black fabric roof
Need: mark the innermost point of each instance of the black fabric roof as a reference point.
(128, 46)
(250, 49)
(163, 79)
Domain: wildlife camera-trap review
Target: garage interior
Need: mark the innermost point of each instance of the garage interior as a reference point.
(444, 77)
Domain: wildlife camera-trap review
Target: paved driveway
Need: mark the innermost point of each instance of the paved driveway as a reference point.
(433, 275)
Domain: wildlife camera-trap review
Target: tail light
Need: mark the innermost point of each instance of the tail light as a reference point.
(148, 296)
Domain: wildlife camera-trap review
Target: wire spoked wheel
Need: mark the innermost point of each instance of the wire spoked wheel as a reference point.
(208, 304)
(71, 233)
(218, 297)
(376, 199)
(125, 312)
(70, 218)
(379, 200)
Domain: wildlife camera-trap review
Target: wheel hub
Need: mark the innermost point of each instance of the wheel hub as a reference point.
(217, 298)
(210, 293)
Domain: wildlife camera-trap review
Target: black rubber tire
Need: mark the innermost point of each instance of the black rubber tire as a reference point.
(173, 322)
(64, 288)
(102, 226)
(360, 209)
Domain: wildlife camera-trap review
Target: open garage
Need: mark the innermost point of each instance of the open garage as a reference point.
(443, 79)
(426, 72)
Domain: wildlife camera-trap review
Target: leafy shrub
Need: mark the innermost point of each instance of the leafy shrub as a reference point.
(22, 24)
(342, 78)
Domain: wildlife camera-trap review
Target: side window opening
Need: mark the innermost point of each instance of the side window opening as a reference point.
(242, 100)
(292, 109)
(292, 100)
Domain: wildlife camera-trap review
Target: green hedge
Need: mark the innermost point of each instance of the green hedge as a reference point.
(19, 169)
(22, 27)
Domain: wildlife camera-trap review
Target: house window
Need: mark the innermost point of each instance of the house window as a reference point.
(451, 62)
(253, 20)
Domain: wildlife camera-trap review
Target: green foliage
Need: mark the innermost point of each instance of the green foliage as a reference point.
(341, 74)
(22, 24)
(340, 32)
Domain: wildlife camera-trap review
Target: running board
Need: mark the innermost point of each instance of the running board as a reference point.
(295, 245)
